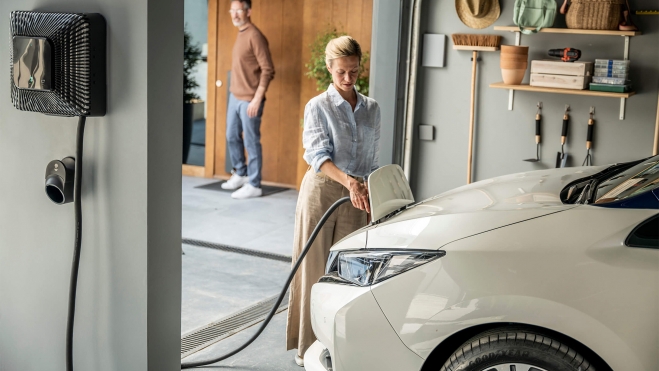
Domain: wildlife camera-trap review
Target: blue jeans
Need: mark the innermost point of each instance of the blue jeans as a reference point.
(238, 123)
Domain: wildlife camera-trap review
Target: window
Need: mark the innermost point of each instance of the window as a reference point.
(646, 234)
(632, 182)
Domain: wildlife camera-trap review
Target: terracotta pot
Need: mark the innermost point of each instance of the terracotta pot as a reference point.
(513, 76)
(514, 49)
(514, 57)
(514, 60)
(514, 66)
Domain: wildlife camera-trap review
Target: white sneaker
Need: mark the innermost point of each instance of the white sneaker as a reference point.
(236, 181)
(299, 360)
(247, 191)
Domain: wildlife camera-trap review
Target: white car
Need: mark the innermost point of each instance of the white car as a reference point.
(548, 270)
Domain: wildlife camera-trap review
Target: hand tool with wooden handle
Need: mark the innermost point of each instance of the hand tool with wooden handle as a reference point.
(588, 161)
(561, 157)
(537, 135)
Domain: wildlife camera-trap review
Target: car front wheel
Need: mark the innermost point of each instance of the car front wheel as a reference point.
(515, 349)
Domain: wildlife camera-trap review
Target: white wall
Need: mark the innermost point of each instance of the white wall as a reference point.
(503, 138)
(128, 307)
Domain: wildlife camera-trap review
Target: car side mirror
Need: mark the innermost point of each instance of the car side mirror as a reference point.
(389, 191)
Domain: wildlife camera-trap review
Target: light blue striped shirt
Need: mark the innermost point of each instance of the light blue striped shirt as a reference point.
(332, 131)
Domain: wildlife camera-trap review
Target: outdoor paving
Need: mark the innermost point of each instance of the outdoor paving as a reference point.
(217, 283)
(262, 223)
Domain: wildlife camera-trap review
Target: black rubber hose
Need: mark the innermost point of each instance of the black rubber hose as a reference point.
(281, 295)
(76, 245)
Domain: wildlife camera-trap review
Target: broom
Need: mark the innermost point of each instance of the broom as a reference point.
(474, 43)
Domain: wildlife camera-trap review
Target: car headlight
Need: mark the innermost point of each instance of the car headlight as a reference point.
(368, 267)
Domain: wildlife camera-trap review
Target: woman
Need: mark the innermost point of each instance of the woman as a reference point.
(341, 135)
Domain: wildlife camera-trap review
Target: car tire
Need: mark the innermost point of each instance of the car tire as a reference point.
(515, 349)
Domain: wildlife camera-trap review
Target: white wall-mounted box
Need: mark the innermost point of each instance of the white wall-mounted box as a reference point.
(433, 50)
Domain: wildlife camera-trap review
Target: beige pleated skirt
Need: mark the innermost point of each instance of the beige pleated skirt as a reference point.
(317, 193)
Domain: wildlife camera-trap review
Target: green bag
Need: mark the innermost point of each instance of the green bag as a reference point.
(534, 13)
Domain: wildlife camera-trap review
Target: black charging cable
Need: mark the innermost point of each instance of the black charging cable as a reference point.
(76, 247)
(281, 294)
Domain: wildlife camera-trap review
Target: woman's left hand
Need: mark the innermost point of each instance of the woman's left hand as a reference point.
(359, 196)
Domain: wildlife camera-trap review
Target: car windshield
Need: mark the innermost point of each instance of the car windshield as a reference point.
(640, 178)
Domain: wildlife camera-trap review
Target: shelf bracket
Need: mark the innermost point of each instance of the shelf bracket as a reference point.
(626, 55)
(511, 92)
(622, 108)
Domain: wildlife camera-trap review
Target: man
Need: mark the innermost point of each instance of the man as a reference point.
(251, 72)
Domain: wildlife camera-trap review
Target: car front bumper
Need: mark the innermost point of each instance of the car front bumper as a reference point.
(349, 323)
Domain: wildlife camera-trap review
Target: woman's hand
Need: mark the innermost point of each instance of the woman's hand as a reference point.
(358, 191)
(359, 195)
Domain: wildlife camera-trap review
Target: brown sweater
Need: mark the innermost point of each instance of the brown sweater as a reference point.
(251, 64)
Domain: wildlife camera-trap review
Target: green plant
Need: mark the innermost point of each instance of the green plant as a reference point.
(317, 69)
(191, 57)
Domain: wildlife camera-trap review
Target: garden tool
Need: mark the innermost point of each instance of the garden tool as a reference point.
(588, 161)
(538, 116)
(561, 157)
(474, 43)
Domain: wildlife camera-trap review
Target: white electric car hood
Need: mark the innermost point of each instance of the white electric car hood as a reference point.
(464, 211)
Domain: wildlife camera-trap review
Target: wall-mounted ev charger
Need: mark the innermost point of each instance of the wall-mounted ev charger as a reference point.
(58, 63)
(58, 67)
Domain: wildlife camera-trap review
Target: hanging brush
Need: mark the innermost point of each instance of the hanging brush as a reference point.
(474, 43)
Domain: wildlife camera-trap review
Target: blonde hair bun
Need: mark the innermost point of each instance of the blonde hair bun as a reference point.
(343, 46)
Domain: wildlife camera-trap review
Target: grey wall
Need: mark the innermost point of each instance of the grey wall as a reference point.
(387, 58)
(503, 138)
(128, 305)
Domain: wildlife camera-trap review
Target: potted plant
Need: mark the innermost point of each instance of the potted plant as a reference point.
(317, 69)
(191, 57)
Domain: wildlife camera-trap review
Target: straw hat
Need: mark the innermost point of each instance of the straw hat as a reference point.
(478, 13)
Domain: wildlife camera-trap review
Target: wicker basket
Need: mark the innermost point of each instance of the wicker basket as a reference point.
(594, 14)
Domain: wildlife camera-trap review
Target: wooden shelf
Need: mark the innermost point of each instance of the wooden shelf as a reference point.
(573, 31)
(569, 31)
(500, 85)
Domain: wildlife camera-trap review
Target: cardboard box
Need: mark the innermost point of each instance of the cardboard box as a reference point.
(560, 81)
(562, 68)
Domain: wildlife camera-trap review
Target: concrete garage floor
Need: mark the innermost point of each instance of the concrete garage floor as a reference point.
(218, 283)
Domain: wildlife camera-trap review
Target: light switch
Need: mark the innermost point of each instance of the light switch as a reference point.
(426, 132)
